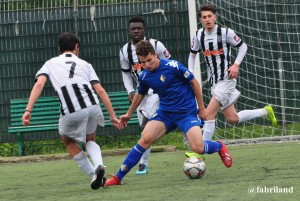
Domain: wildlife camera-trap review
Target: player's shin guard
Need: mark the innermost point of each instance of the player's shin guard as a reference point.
(130, 161)
(211, 147)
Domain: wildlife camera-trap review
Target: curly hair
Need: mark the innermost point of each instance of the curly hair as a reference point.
(143, 48)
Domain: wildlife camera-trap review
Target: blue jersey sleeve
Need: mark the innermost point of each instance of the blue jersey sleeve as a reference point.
(185, 73)
(142, 87)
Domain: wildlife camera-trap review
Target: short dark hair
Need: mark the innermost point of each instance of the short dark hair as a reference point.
(143, 48)
(67, 41)
(208, 7)
(137, 19)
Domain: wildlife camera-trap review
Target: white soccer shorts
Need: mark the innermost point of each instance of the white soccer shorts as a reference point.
(148, 107)
(81, 123)
(225, 93)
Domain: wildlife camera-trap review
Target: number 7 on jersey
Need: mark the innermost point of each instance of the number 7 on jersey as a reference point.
(72, 69)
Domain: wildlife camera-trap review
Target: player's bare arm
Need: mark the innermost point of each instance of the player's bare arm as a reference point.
(34, 95)
(199, 99)
(126, 117)
(106, 101)
(233, 71)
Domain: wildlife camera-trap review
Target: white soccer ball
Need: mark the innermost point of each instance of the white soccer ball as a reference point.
(194, 167)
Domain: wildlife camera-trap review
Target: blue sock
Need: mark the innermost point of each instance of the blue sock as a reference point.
(211, 147)
(131, 160)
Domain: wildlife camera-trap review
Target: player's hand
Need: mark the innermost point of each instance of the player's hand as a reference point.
(115, 121)
(202, 114)
(233, 71)
(26, 118)
(123, 121)
(130, 97)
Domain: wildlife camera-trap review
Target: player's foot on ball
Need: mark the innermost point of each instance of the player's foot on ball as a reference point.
(225, 155)
(98, 179)
(143, 169)
(271, 115)
(191, 154)
(113, 181)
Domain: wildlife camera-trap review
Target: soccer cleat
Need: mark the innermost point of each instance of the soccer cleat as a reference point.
(225, 155)
(98, 179)
(271, 115)
(113, 181)
(191, 154)
(143, 169)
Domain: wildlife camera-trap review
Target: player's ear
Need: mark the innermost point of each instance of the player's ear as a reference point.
(76, 49)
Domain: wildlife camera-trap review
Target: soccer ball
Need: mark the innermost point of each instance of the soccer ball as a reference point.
(194, 167)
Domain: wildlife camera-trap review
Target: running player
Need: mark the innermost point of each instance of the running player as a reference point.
(77, 86)
(215, 43)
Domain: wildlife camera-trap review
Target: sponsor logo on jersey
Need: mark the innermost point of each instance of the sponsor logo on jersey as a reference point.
(186, 74)
(209, 53)
(162, 78)
(236, 38)
(137, 67)
(173, 64)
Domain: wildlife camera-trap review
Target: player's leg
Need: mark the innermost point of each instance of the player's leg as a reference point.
(153, 130)
(78, 155)
(147, 108)
(187, 145)
(246, 115)
(92, 148)
(72, 130)
(208, 147)
(223, 95)
(210, 122)
(143, 164)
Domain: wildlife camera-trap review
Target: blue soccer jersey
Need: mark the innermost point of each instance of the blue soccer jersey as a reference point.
(171, 81)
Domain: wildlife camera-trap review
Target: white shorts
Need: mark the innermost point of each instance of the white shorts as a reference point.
(81, 123)
(147, 107)
(225, 93)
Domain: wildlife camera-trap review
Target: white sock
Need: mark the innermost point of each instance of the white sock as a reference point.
(246, 115)
(145, 156)
(84, 164)
(94, 151)
(209, 129)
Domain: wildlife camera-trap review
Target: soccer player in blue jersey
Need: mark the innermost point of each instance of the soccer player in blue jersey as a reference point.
(179, 93)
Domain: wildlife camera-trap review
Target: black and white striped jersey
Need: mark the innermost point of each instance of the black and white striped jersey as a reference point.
(216, 49)
(130, 62)
(72, 79)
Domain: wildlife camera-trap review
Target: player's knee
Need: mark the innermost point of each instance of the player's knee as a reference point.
(144, 142)
(197, 148)
(91, 137)
(233, 120)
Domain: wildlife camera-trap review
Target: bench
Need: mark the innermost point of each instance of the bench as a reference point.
(46, 112)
